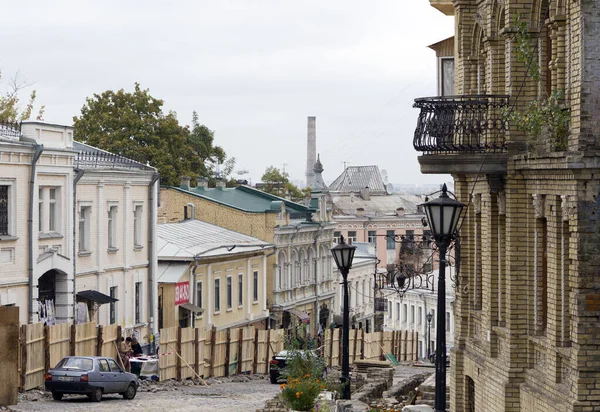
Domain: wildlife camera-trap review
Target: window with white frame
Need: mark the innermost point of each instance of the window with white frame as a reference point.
(389, 309)
(217, 295)
(397, 311)
(336, 237)
(419, 315)
(240, 289)
(7, 209)
(255, 286)
(138, 303)
(41, 209)
(49, 207)
(52, 210)
(85, 213)
(352, 236)
(412, 314)
(112, 227)
(137, 226)
(372, 235)
(229, 297)
(404, 312)
(199, 294)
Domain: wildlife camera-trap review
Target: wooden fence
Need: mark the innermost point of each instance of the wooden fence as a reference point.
(186, 352)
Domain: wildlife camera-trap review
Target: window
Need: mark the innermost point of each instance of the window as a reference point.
(404, 312)
(112, 227)
(138, 289)
(448, 321)
(389, 240)
(419, 315)
(84, 228)
(372, 236)
(336, 237)
(113, 365)
(5, 219)
(389, 309)
(41, 209)
(352, 236)
(447, 76)
(137, 226)
(113, 306)
(412, 314)
(255, 286)
(52, 211)
(103, 365)
(199, 294)
(410, 234)
(229, 292)
(397, 311)
(217, 295)
(240, 289)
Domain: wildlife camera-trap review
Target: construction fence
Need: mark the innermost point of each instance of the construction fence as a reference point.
(189, 352)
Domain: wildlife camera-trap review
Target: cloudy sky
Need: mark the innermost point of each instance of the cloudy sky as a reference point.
(253, 70)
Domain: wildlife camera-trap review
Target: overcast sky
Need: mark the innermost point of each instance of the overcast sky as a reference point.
(252, 69)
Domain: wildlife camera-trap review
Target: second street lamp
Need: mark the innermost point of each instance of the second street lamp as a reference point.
(429, 316)
(443, 214)
(343, 254)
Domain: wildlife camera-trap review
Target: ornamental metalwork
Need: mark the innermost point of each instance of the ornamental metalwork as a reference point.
(101, 159)
(10, 129)
(471, 123)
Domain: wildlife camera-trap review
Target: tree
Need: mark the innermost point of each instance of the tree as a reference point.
(278, 183)
(10, 109)
(133, 125)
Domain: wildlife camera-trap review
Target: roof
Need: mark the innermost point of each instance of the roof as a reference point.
(171, 272)
(355, 178)
(189, 238)
(376, 206)
(95, 296)
(90, 157)
(249, 199)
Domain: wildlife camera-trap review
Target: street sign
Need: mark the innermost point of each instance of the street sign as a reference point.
(182, 293)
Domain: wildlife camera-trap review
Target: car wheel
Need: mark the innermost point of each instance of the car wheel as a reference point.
(96, 396)
(130, 392)
(273, 379)
(57, 396)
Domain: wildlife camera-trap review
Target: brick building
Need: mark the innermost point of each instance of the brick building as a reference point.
(526, 326)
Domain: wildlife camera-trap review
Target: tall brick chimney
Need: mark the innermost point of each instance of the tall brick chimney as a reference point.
(311, 151)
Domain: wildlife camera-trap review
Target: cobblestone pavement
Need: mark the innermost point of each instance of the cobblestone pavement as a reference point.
(237, 394)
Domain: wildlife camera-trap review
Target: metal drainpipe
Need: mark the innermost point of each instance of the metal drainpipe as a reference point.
(195, 288)
(36, 155)
(151, 254)
(316, 241)
(78, 174)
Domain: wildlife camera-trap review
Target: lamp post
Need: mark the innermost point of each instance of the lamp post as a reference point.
(429, 316)
(343, 255)
(443, 214)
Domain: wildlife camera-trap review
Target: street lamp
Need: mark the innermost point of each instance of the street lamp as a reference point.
(443, 214)
(429, 316)
(343, 255)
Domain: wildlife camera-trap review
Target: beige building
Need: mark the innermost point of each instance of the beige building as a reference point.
(68, 208)
(210, 276)
(521, 140)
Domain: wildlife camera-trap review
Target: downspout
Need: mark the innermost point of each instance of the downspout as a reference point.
(316, 241)
(151, 253)
(78, 174)
(36, 155)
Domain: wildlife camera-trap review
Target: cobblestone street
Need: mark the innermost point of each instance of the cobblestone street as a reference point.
(235, 394)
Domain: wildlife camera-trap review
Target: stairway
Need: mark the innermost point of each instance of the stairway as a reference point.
(427, 390)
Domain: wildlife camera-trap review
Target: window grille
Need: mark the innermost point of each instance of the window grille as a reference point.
(4, 210)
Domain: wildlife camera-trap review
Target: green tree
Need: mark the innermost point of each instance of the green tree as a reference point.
(133, 125)
(10, 108)
(278, 183)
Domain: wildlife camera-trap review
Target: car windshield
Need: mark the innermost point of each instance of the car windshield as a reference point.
(84, 364)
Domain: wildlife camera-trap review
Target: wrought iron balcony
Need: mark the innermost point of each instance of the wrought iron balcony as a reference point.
(473, 124)
(8, 129)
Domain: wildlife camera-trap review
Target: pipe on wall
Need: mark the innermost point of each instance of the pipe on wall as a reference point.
(78, 174)
(36, 156)
(151, 254)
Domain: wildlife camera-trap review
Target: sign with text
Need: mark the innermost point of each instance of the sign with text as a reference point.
(182, 293)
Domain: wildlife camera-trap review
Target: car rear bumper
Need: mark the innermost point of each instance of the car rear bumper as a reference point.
(70, 387)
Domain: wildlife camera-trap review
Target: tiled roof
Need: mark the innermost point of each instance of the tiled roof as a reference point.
(250, 200)
(355, 178)
(186, 239)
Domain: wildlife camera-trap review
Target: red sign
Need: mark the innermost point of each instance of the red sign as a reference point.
(182, 293)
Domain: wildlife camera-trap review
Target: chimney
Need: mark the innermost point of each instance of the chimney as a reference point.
(400, 212)
(364, 194)
(220, 182)
(202, 182)
(185, 183)
(360, 211)
(311, 150)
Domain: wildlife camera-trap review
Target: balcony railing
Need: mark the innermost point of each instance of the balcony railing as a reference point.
(8, 129)
(461, 124)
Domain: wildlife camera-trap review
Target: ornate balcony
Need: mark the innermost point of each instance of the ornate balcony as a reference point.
(9, 129)
(456, 133)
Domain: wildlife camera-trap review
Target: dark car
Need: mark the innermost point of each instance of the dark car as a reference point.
(278, 363)
(93, 376)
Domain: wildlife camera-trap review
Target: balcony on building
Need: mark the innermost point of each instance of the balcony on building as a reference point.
(445, 6)
(462, 134)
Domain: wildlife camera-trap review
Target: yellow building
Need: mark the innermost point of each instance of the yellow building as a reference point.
(520, 138)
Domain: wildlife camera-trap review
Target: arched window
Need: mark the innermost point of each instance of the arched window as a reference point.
(281, 275)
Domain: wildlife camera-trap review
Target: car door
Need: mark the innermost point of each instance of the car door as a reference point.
(117, 376)
(104, 376)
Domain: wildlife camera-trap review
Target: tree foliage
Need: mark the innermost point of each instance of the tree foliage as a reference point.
(10, 107)
(278, 183)
(134, 125)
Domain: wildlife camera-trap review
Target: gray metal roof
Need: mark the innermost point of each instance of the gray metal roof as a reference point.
(355, 178)
(378, 205)
(90, 157)
(184, 240)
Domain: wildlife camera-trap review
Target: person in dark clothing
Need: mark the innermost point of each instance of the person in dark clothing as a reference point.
(135, 346)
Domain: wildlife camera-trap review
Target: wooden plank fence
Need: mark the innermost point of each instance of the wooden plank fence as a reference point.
(185, 352)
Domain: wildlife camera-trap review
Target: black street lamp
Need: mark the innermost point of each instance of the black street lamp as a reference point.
(429, 316)
(443, 214)
(343, 255)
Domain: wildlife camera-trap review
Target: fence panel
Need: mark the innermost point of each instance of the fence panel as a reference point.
(202, 352)
(86, 339)
(262, 360)
(247, 349)
(60, 340)
(109, 338)
(167, 360)
(188, 335)
(35, 368)
(220, 352)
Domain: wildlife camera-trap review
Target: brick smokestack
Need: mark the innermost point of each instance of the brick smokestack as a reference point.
(311, 151)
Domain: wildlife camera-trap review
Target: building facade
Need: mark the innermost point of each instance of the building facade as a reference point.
(77, 224)
(523, 155)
